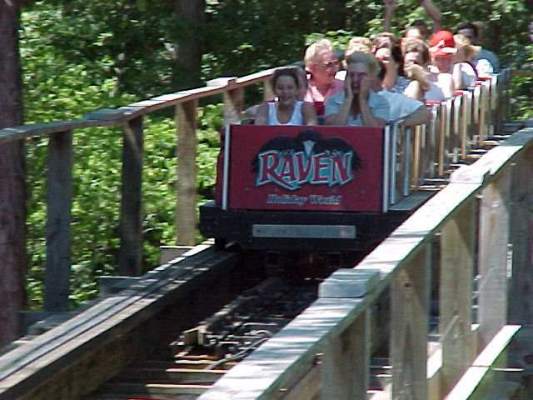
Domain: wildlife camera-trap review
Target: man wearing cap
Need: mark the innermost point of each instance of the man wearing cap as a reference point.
(486, 61)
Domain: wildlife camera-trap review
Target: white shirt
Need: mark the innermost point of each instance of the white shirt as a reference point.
(400, 105)
(297, 117)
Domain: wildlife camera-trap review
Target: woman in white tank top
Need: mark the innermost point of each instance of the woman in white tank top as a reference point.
(287, 109)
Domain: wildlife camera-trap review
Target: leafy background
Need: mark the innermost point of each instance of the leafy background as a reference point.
(79, 56)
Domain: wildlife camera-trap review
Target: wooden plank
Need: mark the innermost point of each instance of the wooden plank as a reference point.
(346, 362)
(417, 156)
(307, 388)
(496, 159)
(169, 253)
(27, 367)
(186, 172)
(483, 111)
(256, 77)
(130, 253)
(521, 284)
(268, 91)
(492, 258)
(455, 304)
(59, 202)
(153, 389)
(233, 106)
(467, 125)
(46, 129)
(403, 243)
(481, 366)
(409, 328)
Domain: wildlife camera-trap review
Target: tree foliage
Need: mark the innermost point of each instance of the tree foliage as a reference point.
(83, 55)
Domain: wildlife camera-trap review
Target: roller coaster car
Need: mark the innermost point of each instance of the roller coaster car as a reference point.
(303, 188)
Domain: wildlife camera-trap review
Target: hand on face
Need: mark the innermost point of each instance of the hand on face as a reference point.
(348, 92)
(364, 86)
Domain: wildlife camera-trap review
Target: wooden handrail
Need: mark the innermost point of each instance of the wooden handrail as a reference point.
(403, 262)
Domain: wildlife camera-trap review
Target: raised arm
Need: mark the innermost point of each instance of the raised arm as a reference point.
(433, 12)
(390, 6)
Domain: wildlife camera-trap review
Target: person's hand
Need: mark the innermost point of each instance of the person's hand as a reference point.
(348, 91)
(417, 73)
(364, 87)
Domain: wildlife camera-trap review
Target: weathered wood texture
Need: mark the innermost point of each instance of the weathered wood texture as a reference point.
(475, 384)
(492, 257)
(186, 172)
(79, 355)
(346, 362)
(233, 105)
(59, 202)
(409, 328)
(130, 255)
(456, 285)
(521, 285)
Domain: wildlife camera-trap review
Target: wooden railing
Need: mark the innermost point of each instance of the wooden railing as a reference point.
(427, 152)
(325, 352)
(130, 119)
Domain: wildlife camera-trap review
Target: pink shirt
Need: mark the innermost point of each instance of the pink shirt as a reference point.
(314, 96)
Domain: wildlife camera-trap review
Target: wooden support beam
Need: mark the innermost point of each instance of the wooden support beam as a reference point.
(455, 304)
(186, 172)
(466, 123)
(268, 91)
(492, 258)
(521, 284)
(409, 328)
(59, 202)
(233, 105)
(130, 255)
(473, 380)
(346, 362)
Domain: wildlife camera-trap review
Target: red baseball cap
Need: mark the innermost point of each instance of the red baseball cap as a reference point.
(442, 43)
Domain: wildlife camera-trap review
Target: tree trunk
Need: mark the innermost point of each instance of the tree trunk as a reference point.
(12, 186)
(190, 16)
(336, 14)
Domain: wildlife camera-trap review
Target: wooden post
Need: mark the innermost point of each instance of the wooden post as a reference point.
(483, 111)
(409, 328)
(130, 255)
(521, 285)
(268, 91)
(476, 105)
(440, 140)
(233, 105)
(493, 241)
(465, 123)
(346, 362)
(417, 159)
(455, 304)
(59, 201)
(186, 173)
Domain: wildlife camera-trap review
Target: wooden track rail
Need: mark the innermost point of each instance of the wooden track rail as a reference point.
(324, 352)
(79, 355)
